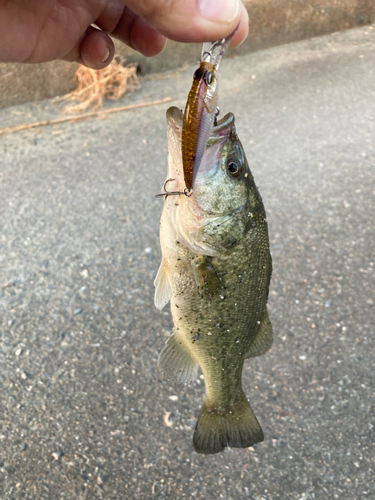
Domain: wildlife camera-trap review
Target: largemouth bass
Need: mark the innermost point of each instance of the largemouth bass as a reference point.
(215, 270)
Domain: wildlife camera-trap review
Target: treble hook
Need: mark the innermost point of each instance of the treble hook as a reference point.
(186, 192)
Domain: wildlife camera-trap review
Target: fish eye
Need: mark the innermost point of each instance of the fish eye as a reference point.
(208, 78)
(234, 168)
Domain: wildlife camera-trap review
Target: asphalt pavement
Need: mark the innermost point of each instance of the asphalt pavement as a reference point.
(84, 413)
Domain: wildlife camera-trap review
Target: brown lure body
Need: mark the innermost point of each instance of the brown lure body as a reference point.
(200, 110)
(198, 119)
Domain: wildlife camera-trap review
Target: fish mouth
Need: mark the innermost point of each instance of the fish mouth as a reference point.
(222, 130)
(187, 214)
(226, 122)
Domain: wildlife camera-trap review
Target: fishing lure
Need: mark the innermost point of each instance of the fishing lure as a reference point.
(201, 107)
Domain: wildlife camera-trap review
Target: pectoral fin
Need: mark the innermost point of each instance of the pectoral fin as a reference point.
(263, 339)
(206, 277)
(163, 289)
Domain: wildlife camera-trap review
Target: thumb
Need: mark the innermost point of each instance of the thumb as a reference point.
(193, 20)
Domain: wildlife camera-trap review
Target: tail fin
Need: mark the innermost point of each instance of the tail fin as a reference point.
(215, 430)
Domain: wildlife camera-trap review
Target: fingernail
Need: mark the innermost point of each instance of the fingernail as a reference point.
(219, 11)
(107, 53)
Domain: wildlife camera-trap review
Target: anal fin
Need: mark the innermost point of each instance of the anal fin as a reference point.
(263, 339)
(176, 363)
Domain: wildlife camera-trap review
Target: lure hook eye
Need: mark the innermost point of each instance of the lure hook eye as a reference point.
(166, 193)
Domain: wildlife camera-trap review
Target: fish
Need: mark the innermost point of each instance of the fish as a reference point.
(201, 107)
(215, 270)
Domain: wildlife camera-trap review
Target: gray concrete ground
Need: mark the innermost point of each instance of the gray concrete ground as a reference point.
(84, 412)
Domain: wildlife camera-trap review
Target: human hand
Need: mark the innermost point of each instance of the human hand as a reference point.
(35, 31)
